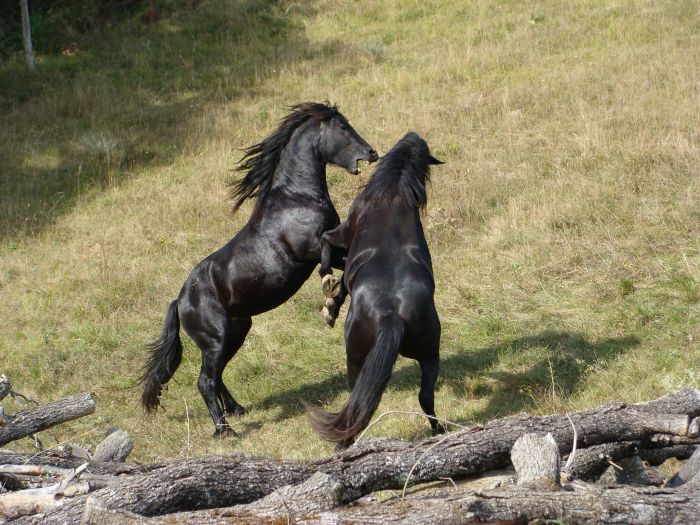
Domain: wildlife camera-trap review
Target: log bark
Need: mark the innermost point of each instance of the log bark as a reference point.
(116, 447)
(536, 460)
(65, 460)
(587, 505)
(185, 485)
(632, 471)
(97, 513)
(382, 464)
(657, 456)
(320, 492)
(580, 504)
(5, 387)
(28, 422)
(33, 501)
(589, 463)
(47, 475)
(689, 473)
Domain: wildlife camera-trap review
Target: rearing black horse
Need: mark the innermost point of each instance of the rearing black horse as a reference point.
(268, 260)
(389, 274)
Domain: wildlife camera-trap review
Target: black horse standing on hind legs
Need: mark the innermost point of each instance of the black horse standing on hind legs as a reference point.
(389, 274)
(268, 260)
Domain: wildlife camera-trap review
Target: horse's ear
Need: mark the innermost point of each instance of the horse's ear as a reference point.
(433, 160)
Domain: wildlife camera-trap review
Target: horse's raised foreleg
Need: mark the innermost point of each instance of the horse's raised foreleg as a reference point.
(429, 372)
(334, 300)
(334, 246)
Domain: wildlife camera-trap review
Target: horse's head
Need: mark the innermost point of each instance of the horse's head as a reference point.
(341, 145)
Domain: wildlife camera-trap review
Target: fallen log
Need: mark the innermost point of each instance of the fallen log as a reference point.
(657, 456)
(97, 513)
(590, 505)
(382, 464)
(28, 422)
(320, 492)
(589, 463)
(632, 471)
(65, 460)
(534, 458)
(537, 466)
(187, 484)
(37, 500)
(45, 474)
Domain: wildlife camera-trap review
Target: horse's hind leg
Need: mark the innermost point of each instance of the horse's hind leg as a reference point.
(239, 331)
(429, 372)
(213, 331)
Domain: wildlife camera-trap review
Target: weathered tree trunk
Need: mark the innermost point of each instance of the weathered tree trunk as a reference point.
(656, 456)
(590, 505)
(64, 460)
(579, 503)
(382, 464)
(536, 460)
(96, 513)
(27, 36)
(188, 484)
(319, 493)
(30, 421)
(33, 501)
(589, 463)
(632, 471)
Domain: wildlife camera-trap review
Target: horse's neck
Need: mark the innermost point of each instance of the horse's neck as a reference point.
(299, 170)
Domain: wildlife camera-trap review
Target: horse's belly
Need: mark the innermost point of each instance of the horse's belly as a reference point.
(268, 290)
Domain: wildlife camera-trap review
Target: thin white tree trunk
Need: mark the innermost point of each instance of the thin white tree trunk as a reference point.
(27, 34)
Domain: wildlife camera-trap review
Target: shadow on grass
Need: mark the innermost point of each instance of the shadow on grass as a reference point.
(133, 98)
(564, 359)
(289, 401)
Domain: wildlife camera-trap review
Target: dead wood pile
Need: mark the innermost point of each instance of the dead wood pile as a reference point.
(593, 466)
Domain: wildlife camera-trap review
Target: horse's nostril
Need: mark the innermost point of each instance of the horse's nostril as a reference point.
(373, 154)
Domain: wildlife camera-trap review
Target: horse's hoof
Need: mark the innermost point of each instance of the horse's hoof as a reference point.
(238, 410)
(438, 429)
(330, 285)
(344, 445)
(327, 317)
(223, 432)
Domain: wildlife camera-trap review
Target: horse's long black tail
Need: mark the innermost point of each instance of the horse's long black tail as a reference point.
(165, 356)
(368, 389)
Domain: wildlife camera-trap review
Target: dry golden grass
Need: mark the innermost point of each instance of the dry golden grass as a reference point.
(564, 226)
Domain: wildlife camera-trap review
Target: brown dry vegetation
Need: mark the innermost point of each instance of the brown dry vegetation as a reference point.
(564, 226)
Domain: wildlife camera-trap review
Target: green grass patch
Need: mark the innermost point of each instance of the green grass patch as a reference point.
(564, 226)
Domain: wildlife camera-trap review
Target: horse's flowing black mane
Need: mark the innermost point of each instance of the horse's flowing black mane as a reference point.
(261, 159)
(403, 171)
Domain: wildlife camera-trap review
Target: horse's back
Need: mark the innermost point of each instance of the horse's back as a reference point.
(389, 272)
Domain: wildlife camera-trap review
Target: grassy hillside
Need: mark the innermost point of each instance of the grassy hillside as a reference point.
(564, 226)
